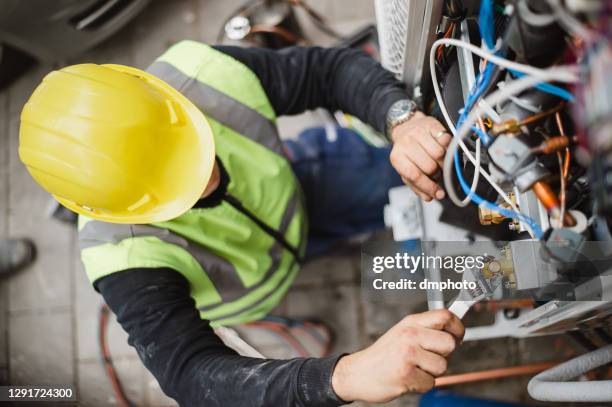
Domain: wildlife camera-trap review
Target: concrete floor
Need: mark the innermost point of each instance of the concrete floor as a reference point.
(48, 313)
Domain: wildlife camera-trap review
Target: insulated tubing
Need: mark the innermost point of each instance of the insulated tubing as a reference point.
(554, 385)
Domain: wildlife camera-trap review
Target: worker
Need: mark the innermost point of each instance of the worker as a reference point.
(15, 255)
(194, 213)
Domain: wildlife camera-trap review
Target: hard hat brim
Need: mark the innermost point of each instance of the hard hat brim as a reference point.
(199, 172)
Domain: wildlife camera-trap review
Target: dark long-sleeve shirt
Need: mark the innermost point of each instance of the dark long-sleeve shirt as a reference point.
(189, 361)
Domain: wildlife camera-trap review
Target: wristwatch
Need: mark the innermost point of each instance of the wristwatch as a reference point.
(399, 112)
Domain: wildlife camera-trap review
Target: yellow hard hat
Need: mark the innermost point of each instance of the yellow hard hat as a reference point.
(116, 144)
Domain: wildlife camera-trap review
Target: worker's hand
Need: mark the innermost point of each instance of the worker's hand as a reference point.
(405, 359)
(418, 152)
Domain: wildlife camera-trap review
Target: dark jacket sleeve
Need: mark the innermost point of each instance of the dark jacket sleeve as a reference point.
(302, 78)
(188, 359)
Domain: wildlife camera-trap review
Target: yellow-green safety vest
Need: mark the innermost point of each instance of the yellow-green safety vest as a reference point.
(240, 256)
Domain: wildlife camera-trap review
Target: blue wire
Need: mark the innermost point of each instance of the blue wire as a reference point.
(480, 86)
(484, 137)
(486, 23)
(548, 88)
(478, 200)
(487, 32)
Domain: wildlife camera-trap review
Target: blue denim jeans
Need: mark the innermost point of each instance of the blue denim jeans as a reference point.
(345, 183)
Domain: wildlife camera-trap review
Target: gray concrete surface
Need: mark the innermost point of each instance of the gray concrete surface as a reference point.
(48, 313)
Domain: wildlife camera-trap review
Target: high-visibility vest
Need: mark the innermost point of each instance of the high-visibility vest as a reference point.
(240, 256)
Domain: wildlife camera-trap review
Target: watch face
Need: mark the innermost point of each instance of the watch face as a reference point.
(400, 108)
(399, 112)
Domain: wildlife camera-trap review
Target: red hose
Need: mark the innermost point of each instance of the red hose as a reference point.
(107, 361)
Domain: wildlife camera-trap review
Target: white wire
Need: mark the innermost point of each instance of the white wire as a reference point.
(488, 109)
(478, 168)
(475, 179)
(571, 23)
(513, 88)
(503, 62)
(519, 102)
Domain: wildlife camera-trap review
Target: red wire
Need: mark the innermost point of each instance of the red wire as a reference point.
(107, 360)
(284, 333)
(327, 345)
(283, 329)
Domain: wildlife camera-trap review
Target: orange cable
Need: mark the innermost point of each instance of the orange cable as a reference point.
(447, 34)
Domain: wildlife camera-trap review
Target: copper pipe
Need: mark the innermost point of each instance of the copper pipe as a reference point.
(538, 116)
(550, 201)
(546, 195)
(564, 166)
(494, 306)
(553, 144)
(566, 163)
(492, 374)
(559, 123)
(514, 126)
(562, 196)
(563, 187)
(567, 150)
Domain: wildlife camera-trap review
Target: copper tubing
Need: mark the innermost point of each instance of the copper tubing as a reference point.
(550, 201)
(492, 374)
(494, 306)
(559, 123)
(546, 195)
(538, 116)
(514, 126)
(553, 144)
(563, 182)
(564, 163)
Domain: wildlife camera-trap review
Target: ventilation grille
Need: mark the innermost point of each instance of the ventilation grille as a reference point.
(406, 29)
(392, 19)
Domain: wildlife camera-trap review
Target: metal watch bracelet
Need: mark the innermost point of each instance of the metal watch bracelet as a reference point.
(399, 112)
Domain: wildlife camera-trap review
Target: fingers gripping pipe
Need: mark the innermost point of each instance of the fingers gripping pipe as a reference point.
(554, 385)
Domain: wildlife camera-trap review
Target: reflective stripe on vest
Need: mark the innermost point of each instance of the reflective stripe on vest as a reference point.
(221, 272)
(224, 109)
